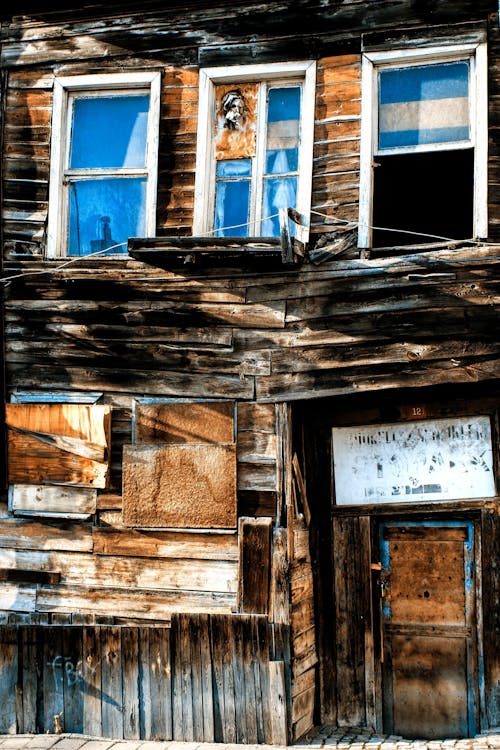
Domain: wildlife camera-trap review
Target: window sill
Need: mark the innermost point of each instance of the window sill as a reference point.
(174, 252)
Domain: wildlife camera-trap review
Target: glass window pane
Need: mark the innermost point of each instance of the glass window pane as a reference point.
(105, 212)
(278, 193)
(283, 125)
(109, 131)
(424, 104)
(233, 168)
(231, 208)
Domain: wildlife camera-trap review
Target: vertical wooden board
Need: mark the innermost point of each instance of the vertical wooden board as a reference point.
(130, 667)
(53, 680)
(278, 690)
(255, 562)
(92, 695)
(111, 681)
(73, 687)
(371, 693)
(207, 680)
(199, 702)
(241, 707)
(490, 546)
(30, 671)
(8, 679)
(160, 680)
(280, 594)
(186, 643)
(227, 664)
(217, 646)
(260, 639)
(349, 634)
(177, 678)
(145, 687)
(249, 657)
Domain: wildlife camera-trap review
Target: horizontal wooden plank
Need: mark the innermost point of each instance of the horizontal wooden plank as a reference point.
(127, 572)
(257, 477)
(254, 417)
(130, 603)
(293, 386)
(256, 447)
(46, 500)
(17, 597)
(146, 382)
(24, 534)
(171, 335)
(165, 544)
(237, 315)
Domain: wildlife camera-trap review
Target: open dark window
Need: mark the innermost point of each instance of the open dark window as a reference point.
(424, 141)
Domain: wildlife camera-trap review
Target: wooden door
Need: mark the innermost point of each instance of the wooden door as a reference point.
(428, 632)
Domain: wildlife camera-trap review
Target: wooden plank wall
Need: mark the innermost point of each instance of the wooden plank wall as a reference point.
(207, 678)
(120, 574)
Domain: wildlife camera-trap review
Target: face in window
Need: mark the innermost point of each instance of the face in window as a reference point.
(233, 108)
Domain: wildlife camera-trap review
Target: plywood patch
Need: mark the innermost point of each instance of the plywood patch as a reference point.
(179, 486)
(184, 422)
(58, 443)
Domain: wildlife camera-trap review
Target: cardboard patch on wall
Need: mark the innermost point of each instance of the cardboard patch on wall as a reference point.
(236, 138)
(58, 443)
(184, 422)
(179, 486)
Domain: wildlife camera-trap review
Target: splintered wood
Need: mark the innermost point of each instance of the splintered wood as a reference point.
(58, 443)
(179, 486)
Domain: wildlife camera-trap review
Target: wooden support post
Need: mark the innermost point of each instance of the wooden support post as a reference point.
(278, 691)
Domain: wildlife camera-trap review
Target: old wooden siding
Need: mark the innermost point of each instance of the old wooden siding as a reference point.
(336, 142)
(340, 327)
(207, 678)
(173, 46)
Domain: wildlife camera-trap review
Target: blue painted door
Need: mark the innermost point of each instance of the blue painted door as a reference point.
(428, 629)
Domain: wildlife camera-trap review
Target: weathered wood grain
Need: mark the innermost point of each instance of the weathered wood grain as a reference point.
(254, 536)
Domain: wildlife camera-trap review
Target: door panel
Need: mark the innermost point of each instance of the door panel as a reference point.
(429, 685)
(428, 629)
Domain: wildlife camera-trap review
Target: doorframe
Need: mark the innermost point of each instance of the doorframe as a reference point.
(374, 697)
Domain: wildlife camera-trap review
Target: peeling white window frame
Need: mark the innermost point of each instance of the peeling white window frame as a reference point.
(372, 62)
(285, 72)
(64, 88)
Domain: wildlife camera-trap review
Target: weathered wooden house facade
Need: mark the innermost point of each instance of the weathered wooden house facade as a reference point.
(251, 368)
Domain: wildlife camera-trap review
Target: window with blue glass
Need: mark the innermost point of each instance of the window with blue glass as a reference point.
(105, 173)
(423, 105)
(250, 189)
(103, 164)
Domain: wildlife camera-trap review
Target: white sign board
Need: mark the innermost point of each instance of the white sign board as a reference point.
(421, 461)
